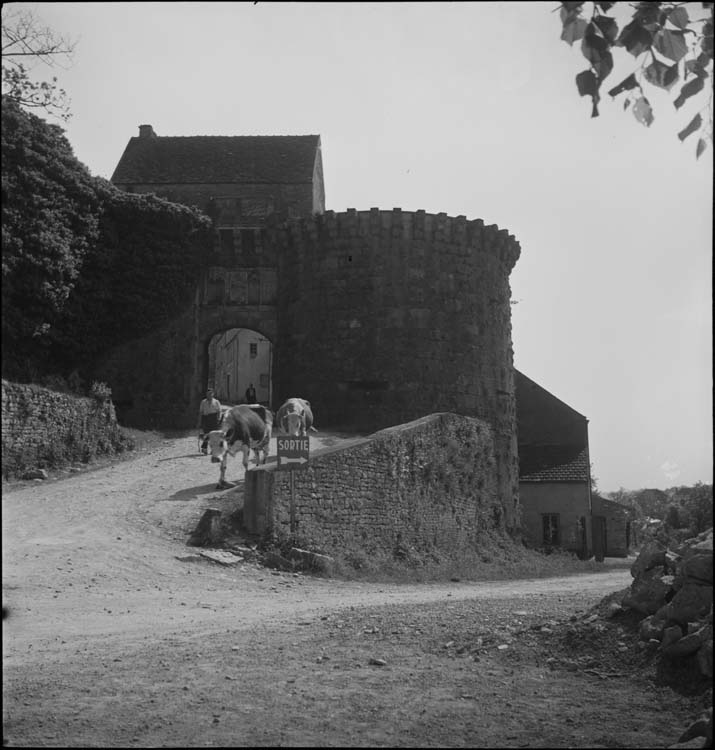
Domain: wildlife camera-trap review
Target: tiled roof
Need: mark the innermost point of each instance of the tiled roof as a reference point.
(216, 158)
(557, 463)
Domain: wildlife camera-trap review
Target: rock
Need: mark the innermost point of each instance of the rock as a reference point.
(698, 565)
(671, 635)
(313, 560)
(648, 591)
(377, 662)
(691, 602)
(695, 742)
(698, 728)
(208, 531)
(275, 560)
(687, 645)
(613, 609)
(705, 659)
(651, 555)
(35, 474)
(651, 627)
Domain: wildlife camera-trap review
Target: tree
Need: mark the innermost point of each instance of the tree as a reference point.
(25, 41)
(672, 43)
(49, 221)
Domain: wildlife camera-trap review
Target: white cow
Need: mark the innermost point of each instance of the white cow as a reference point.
(295, 417)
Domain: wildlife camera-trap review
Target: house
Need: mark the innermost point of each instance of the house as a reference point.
(237, 180)
(615, 520)
(554, 471)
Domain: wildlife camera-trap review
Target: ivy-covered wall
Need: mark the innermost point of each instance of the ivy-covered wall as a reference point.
(42, 428)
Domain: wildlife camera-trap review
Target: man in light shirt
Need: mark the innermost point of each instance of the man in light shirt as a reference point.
(209, 417)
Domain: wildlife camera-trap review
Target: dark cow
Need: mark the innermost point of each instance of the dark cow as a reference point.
(243, 428)
(295, 417)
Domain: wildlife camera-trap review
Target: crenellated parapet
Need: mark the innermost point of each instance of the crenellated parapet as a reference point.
(416, 226)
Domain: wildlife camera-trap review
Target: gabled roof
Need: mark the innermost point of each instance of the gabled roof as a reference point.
(557, 465)
(211, 159)
(552, 437)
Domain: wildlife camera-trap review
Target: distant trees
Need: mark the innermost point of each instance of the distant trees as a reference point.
(25, 42)
(680, 507)
(672, 47)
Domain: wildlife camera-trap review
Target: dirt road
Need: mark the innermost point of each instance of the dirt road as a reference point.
(113, 640)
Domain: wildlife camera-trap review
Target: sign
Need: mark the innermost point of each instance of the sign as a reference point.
(292, 451)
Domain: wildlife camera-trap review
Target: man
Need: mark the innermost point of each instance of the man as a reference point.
(250, 394)
(209, 417)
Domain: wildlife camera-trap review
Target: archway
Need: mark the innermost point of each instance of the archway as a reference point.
(237, 358)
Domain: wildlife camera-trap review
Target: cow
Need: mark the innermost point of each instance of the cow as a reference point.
(244, 427)
(295, 417)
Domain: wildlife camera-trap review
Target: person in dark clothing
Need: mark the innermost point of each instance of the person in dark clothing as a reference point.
(250, 394)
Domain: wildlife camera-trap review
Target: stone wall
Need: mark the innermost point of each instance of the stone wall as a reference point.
(385, 316)
(429, 484)
(42, 428)
(376, 317)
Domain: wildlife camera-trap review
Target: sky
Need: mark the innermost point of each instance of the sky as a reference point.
(470, 109)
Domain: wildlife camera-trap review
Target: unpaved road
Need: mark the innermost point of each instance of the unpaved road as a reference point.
(114, 641)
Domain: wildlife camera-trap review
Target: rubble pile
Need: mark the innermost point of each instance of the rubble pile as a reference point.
(673, 591)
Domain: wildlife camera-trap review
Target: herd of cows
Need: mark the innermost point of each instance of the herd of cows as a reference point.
(248, 427)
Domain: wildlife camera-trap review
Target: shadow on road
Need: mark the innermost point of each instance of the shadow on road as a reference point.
(191, 493)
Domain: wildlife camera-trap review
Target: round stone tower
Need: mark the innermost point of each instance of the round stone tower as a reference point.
(386, 316)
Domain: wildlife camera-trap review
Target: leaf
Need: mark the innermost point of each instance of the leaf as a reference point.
(573, 30)
(642, 111)
(702, 145)
(587, 83)
(595, 50)
(625, 85)
(635, 38)
(608, 27)
(661, 75)
(694, 124)
(671, 44)
(679, 17)
(689, 89)
(605, 6)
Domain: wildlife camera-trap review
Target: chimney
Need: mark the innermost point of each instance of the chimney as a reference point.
(146, 131)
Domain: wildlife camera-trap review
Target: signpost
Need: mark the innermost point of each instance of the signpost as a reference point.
(292, 452)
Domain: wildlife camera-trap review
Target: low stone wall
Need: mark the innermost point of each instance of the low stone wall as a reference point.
(428, 484)
(42, 428)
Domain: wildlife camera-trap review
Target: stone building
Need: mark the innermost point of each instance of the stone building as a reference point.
(554, 472)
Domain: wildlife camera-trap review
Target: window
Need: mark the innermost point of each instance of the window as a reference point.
(550, 524)
(248, 241)
(253, 350)
(226, 240)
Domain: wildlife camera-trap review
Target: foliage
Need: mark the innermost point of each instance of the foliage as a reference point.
(142, 273)
(85, 266)
(672, 43)
(49, 221)
(680, 507)
(25, 38)
(100, 392)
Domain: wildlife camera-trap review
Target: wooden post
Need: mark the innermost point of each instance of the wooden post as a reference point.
(292, 502)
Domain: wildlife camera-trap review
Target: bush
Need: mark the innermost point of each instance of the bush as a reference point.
(101, 392)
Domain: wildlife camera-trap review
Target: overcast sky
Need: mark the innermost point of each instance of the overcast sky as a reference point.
(465, 108)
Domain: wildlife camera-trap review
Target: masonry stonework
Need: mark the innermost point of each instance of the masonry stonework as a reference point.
(42, 428)
(376, 317)
(428, 485)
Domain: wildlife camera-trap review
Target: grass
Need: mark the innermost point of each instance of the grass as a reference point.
(498, 558)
